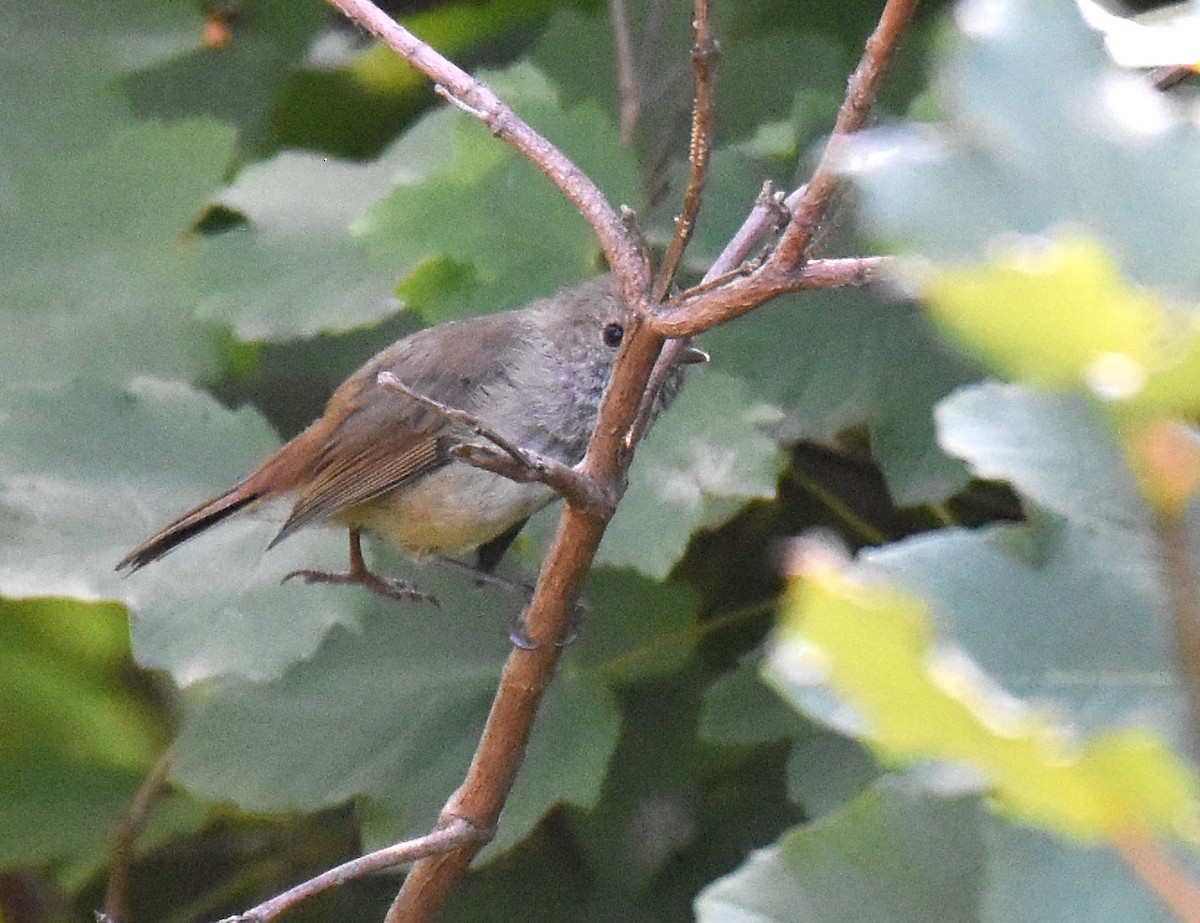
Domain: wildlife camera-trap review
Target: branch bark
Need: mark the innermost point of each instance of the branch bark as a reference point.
(527, 672)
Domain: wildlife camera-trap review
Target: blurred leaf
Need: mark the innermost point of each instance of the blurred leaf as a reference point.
(635, 627)
(1056, 612)
(704, 459)
(1056, 313)
(515, 234)
(75, 497)
(235, 81)
(1033, 877)
(77, 734)
(914, 700)
(62, 813)
(1041, 130)
(63, 666)
(1055, 449)
(891, 856)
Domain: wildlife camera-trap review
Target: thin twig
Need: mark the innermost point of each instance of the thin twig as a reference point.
(705, 307)
(1151, 863)
(795, 244)
(478, 100)
(768, 216)
(129, 828)
(784, 270)
(454, 834)
(1185, 612)
(627, 76)
(704, 59)
(513, 461)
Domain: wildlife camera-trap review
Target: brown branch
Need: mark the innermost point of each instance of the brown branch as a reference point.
(796, 243)
(707, 306)
(1152, 864)
(477, 99)
(1184, 590)
(453, 835)
(512, 461)
(627, 77)
(704, 58)
(129, 828)
(785, 270)
(527, 672)
(768, 216)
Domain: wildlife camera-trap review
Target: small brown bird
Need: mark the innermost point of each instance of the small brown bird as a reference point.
(380, 461)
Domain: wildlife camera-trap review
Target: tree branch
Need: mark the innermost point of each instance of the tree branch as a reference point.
(453, 835)
(704, 58)
(627, 76)
(814, 199)
(1151, 863)
(477, 99)
(784, 270)
(528, 672)
(130, 826)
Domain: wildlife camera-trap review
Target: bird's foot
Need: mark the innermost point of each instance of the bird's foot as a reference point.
(388, 587)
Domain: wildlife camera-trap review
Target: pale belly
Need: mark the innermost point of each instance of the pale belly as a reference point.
(455, 509)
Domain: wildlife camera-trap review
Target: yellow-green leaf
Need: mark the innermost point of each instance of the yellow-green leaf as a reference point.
(1057, 313)
(916, 700)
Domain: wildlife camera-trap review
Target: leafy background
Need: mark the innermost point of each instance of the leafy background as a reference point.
(202, 237)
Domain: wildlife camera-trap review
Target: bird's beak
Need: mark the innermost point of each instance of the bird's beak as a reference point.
(690, 355)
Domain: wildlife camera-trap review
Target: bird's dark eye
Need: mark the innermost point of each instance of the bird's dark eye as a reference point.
(613, 334)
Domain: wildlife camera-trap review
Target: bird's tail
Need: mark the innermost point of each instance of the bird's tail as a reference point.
(190, 524)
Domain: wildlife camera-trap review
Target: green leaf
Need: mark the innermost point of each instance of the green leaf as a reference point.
(63, 664)
(825, 769)
(62, 813)
(237, 82)
(397, 705)
(77, 734)
(1054, 449)
(1033, 877)
(103, 289)
(892, 856)
(704, 459)
(913, 700)
(514, 234)
(75, 496)
(294, 270)
(852, 359)
(634, 628)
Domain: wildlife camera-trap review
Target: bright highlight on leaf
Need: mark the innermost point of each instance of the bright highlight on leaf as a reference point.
(916, 701)
(1139, 44)
(1058, 314)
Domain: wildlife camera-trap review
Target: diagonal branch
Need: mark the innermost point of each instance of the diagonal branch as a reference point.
(704, 58)
(452, 836)
(513, 461)
(785, 270)
(477, 99)
(814, 199)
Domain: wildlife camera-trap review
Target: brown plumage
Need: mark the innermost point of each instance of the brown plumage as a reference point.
(380, 461)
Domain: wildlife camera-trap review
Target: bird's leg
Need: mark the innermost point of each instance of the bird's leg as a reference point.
(487, 558)
(359, 575)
